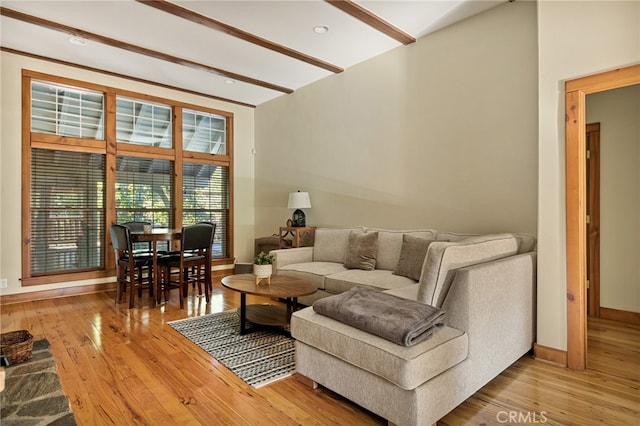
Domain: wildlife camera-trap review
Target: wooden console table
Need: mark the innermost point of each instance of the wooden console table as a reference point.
(300, 236)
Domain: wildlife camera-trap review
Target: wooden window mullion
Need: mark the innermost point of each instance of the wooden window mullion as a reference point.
(178, 181)
(110, 176)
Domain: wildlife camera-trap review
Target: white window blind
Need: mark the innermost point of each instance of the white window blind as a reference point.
(206, 199)
(67, 211)
(204, 132)
(143, 123)
(66, 111)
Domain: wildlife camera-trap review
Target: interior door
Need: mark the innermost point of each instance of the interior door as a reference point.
(593, 219)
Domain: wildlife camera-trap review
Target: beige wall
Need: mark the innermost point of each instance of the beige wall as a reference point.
(618, 112)
(575, 38)
(441, 133)
(11, 148)
(438, 133)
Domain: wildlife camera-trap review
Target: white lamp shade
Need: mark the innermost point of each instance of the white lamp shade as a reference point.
(299, 200)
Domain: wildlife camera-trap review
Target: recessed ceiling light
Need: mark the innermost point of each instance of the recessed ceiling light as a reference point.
(77, 41)
(320, 29)
(229, 81)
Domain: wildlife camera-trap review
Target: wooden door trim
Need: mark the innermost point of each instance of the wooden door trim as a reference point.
(593, 209)
(575, 190)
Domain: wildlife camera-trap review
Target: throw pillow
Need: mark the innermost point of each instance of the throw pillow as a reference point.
(412, 254)
(362, 250)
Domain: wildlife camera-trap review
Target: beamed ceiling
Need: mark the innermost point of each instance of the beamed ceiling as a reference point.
(246, 52)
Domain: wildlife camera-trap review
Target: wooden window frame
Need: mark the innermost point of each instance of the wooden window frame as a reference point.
(110, 148)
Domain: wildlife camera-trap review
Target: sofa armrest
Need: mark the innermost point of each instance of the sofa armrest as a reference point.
(494, 303)
(290, 256)
(444, 258)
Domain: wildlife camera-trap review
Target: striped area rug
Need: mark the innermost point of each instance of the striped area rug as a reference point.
(259, 358)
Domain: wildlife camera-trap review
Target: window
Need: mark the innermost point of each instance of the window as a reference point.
(67, 211)
(143, 123)
(203, 132)
(144, 191)
(77, 185)
(205, 198)
(67, 111)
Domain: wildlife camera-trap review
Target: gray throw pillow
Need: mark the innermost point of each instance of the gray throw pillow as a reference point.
(412, 254)
(362, 250)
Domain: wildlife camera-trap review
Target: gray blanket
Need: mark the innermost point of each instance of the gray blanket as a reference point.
(402, 321)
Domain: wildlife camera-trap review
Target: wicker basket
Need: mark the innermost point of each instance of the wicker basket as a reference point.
(16, 345)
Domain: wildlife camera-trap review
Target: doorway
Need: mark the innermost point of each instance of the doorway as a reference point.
(576, 201)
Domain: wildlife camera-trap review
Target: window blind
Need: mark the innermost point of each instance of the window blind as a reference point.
(206, 199)
(203, 132)
(144, 191)
(143, 123)
(67, 211)
(66, 111)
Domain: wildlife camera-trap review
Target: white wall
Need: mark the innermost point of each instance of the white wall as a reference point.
(618, 112)
(441, 133)
(11, 151)
(575, 38)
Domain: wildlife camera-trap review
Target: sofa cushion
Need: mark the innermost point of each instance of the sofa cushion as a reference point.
(526, 242)
(390, 244)
(406, 366)
(312, 271)
(362, 251)
(443, 258)
(330, 245)
(379, 279)
(412, 255)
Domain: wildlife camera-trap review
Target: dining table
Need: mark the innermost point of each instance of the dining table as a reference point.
(153, 236)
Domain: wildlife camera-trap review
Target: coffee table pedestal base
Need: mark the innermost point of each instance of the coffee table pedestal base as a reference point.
(264, 314)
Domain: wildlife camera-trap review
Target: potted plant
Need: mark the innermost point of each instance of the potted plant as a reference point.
(262, 266)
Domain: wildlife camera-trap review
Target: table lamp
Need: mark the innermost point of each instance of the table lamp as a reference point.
(299, 200)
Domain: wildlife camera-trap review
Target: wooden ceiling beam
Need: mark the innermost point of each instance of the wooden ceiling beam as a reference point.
(369, 18)
(123, 76)
(213, 24)
(9, 13)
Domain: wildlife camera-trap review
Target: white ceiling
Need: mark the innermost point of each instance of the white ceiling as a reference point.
(288, 23)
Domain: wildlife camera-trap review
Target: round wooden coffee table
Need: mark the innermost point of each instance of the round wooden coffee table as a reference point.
(281, 286)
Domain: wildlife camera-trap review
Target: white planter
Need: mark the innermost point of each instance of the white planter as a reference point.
(262, 271)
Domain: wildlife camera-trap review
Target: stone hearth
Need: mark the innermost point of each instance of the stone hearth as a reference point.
(33, 395)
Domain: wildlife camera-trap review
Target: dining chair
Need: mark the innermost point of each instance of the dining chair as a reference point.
(192, 264)
(143, 247)
(130, 267)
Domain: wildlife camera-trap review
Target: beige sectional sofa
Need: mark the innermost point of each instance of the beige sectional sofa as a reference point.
(324, 263)
(485, 283)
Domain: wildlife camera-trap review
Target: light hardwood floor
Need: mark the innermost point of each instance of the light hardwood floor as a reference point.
(122, 367)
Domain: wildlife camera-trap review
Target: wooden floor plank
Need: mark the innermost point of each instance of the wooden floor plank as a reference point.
(121, 366)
